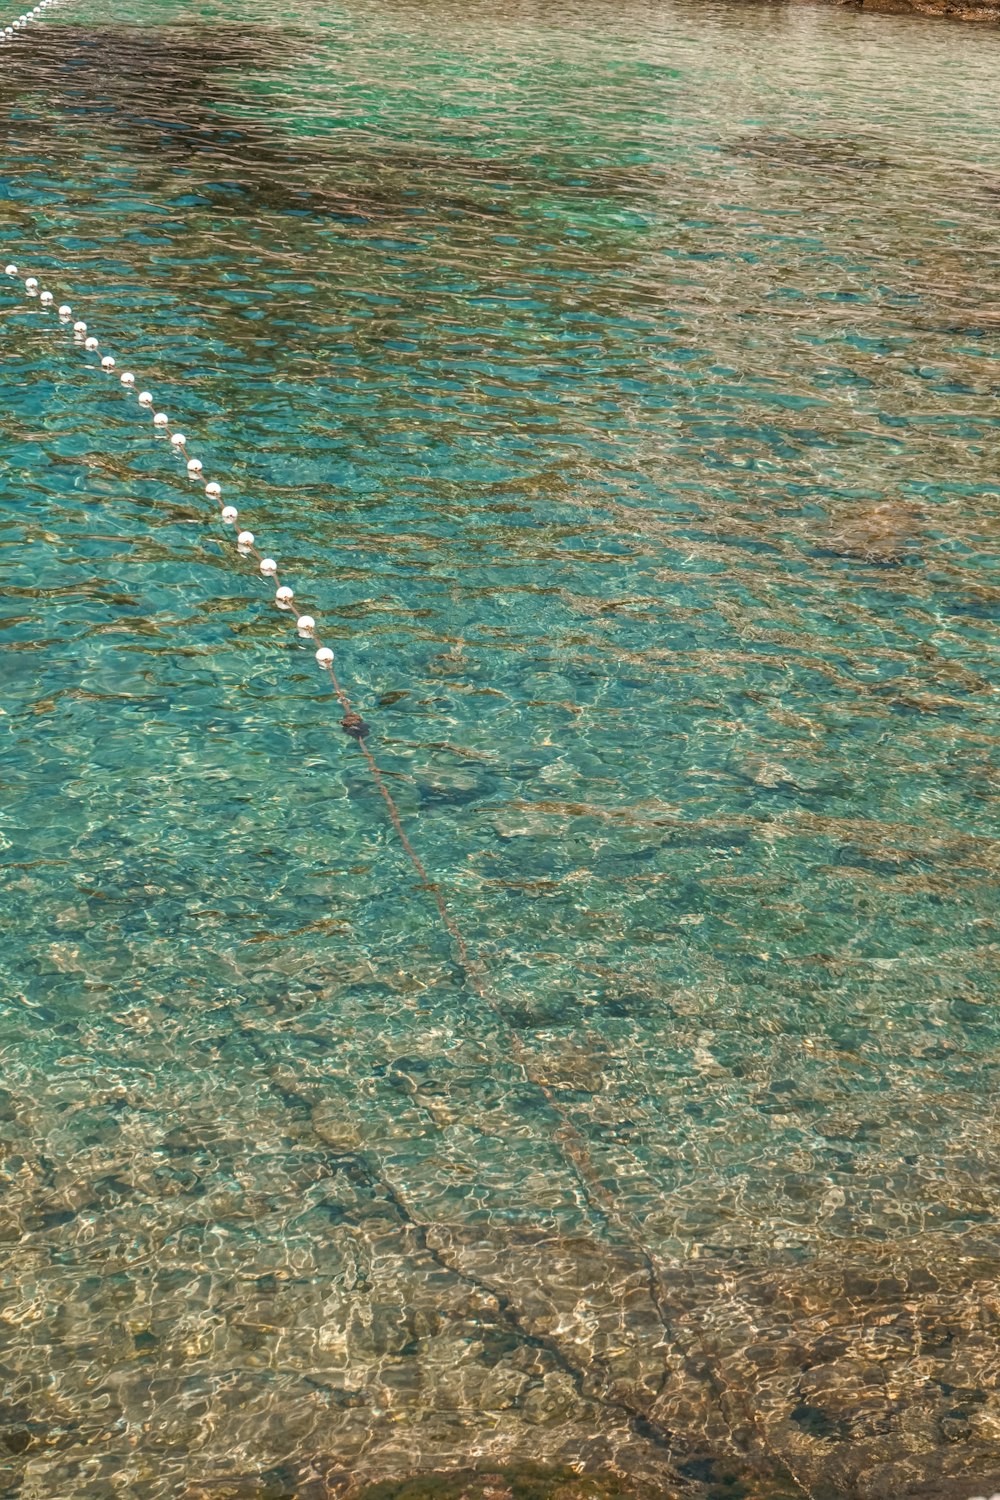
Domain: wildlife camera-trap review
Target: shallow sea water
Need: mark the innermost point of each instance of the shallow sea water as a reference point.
(620, 383)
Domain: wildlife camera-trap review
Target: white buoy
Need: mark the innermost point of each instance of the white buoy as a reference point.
(31, 283)
(305, 624)
(79, 327)
(65, 311)
(283, 597)
(324, 656)
(229, 514)
(245, 539)
(213, 490)
(161, 419)
(268, 567)
(145, 399)
(10, 270)
(46, 297)
(90, 343)
(108, 362)
(178, 439)
(195, 465)
(128, 378)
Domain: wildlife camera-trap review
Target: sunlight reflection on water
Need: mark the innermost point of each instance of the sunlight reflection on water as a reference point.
(619, 384)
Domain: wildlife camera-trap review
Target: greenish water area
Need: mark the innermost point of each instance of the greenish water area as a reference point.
(618, 385)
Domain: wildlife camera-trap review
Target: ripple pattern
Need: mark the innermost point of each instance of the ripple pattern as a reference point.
(618, 385)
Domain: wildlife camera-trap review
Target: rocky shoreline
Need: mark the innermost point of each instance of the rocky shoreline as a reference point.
(954, 10)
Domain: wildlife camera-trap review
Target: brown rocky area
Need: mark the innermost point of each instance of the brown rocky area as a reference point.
(954, 10)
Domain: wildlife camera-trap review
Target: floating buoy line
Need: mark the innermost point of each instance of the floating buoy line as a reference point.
(246, 542)
(284, 595)
(7, 33)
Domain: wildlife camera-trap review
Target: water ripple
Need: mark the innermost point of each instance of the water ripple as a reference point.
(619, 387)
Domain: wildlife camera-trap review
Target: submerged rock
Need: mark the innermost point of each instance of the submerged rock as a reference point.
(884, 535)
(513, 1482)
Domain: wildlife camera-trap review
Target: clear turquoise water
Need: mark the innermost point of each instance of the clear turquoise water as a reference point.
(620, 384)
